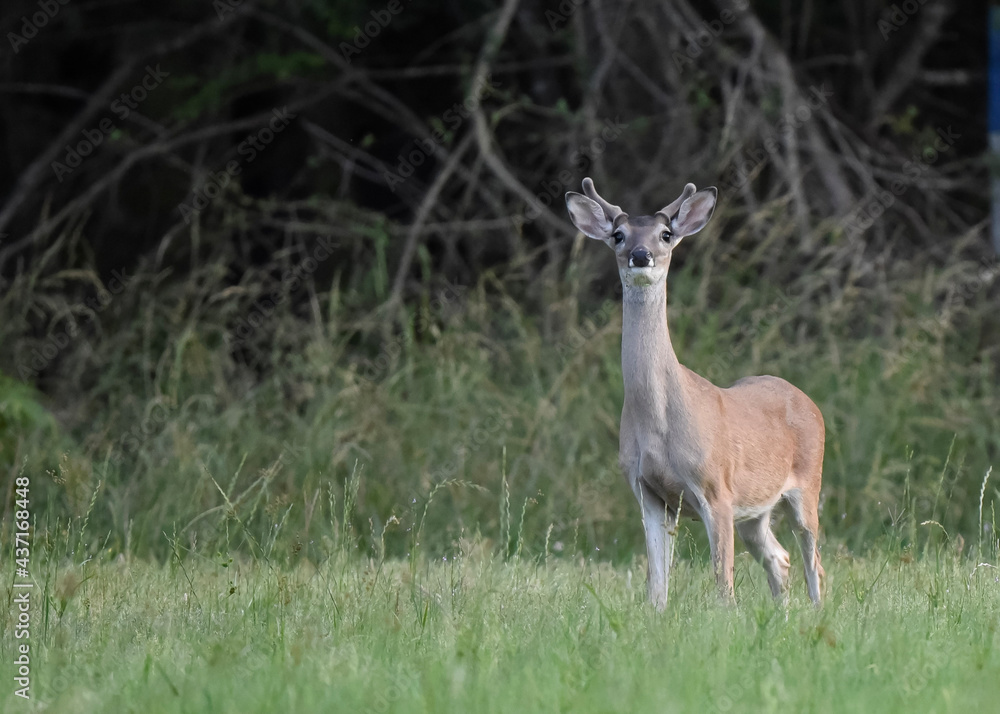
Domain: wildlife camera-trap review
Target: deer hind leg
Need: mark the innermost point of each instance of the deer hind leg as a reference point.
(756, 534)
(805, 523)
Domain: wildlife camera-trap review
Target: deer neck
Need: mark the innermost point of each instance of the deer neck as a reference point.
(654, 383)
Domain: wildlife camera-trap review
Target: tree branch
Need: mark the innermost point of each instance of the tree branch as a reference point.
(907, 69)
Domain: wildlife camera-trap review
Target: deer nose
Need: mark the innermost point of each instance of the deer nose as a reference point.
(640, 258)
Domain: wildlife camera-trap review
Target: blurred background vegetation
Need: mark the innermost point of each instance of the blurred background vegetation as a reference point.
(266, 261)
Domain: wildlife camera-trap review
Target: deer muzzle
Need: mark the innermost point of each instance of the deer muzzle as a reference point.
(640, 258)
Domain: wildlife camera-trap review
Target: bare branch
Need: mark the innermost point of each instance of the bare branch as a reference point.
(414, 232)
(907, 69)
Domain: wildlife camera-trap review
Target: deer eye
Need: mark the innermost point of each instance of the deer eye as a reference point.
(666, 235)
(619, 237)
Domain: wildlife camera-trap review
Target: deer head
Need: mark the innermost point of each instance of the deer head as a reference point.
(643, 244)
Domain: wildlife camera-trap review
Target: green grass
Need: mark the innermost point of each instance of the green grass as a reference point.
(474, 634)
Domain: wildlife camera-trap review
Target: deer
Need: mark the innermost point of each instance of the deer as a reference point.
(729, 455)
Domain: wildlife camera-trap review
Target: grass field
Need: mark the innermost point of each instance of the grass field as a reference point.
(473, 634)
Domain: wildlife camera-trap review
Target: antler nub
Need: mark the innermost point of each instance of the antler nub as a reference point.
(612, 211)
(671, 210)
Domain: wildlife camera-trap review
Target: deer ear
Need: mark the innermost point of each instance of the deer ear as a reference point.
(588, 216)
(694, 212)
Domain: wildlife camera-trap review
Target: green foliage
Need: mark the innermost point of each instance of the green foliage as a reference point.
(292, 64)
(201, 95)
(207, 94)
(341, 17)
(224, 437)
(21, 415)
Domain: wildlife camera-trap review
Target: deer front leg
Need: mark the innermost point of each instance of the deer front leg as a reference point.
(658, 522)
(719, 524)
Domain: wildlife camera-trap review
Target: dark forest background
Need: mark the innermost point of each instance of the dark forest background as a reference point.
(259, 256)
